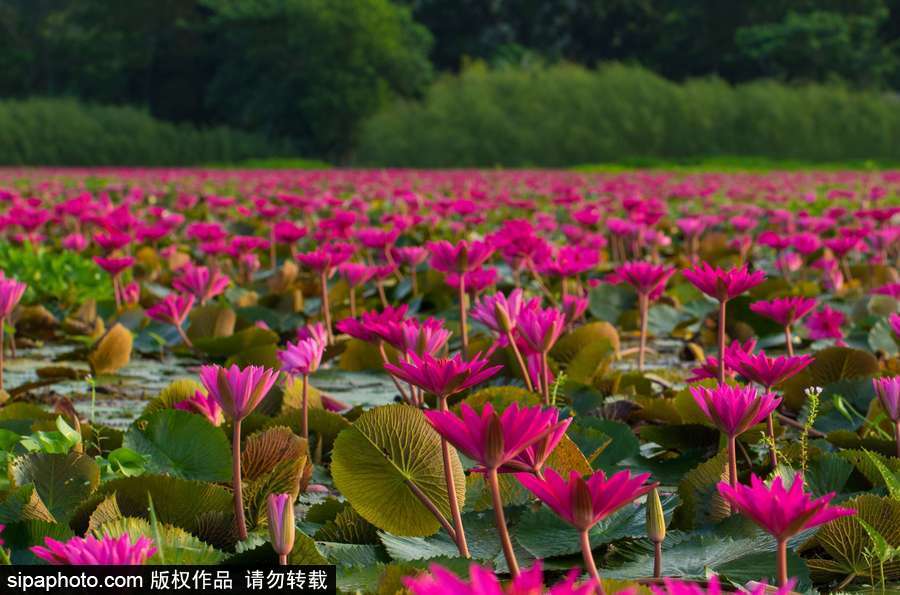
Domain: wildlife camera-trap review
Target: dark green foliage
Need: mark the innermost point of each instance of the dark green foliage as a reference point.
(66, 132)
(567, 115)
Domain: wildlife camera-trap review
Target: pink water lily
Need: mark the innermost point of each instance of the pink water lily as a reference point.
(888, 392)
(173, 309)
(201, 282)
(673, 586)
(11, 292)
(786, 312)
(280, 517)
(442, 376)
(482, 581)
(90, 551)
(205, 405)
(649, 281)
(303, 358)
(781, 512)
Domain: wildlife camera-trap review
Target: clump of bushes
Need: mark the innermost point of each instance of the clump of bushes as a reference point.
(566, 115)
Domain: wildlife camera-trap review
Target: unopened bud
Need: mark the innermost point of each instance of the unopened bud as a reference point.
(502, 315)
(656, 518)
(281, 523)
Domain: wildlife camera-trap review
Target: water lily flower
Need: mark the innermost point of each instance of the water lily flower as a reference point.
(174, 310)
(585, 502)
(539, 329)
(888, 392)
(204, 404)
(90, 551)
(238, 391)
(11, 292)
(710, 368)
(734, 410)
(781, 512)
(785, 311)
(673, 586)
(826, 324)
(482, 581)
(495, 441)
(442, 377)
(649, 281)
(723, 285)
(280, 509)
(314, 331)
(201, 282)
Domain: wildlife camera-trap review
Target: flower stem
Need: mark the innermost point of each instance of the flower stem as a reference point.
(352, 302)
(789, 340)
(545, 373)
(657, 559)
(184, 337)
(461, 544)
(781, 562)
(643, 304)
(770, 424)
(2, 348)
(282, 559)
(589, 560)
(896, 423)
(732, 464)
(493, 480)
(521, 361)
(721, 329)
(326, 308)
(304, 425)
(463, 323)
(239, 522)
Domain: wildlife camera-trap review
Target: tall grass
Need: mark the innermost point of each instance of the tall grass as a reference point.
(66, 132)
(567, 115)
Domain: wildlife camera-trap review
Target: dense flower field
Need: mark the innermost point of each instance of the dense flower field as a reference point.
(457, 382)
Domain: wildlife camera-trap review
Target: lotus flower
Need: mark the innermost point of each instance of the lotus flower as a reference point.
(723, 285)
(768, 371)
(734, 410)
(539, 330)
(649, 281)
(280, 509)
(410, 335)
(238, 392)
(500, 314)
(205, 405)
(495, 441)
(201, 282)
(90, 551)
(363, 329)
(174, 310)
(315, 331)
(11, 292)
(482, 581)
(786, 312)
(584, 503)
(781, 512)
(888, 392)
(733, 352)
(678, 587)
(442, 377)
(826, 324)
(302, 357)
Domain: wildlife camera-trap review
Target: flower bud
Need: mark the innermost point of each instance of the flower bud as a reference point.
(656, 518)
(503, 319)
(281, 523)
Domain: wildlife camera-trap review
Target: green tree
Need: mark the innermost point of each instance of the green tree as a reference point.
(312, 70)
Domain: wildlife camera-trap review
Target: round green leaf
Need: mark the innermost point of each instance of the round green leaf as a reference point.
(181, 444)
(375, 457)
(61, 480)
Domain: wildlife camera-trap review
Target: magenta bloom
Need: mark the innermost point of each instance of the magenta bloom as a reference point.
(363, 329)
(768, 371)
(673, 586)
(173, 309)
(74, 242)
(118, 551)
(826, 324)
(114, 266)
(721, 284)
(461, 257)
(302, 357)
(200, 282)
(781, 512)
(535, 456)
(287, 232)
(411, 256)
(410, 335)
(888, 391)
(280, 509)
(442, 377)
(540, 328)
(734, 409)
(11, 292)
(355, 273)
(237, 391)
(574, 307)
(315, 331)
(785, 311)
(482, 581)
(583, 503)
(499, 312)
(895, 323)
(733, 352)
(495, 440)
(646, 278)
(205, 405)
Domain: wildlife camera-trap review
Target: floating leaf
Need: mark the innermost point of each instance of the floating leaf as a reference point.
(106, 512)
(348, 527)
(180, 547)
(178, 390)
(830, 365)
(375, 457)
(845, 540)
(700, 500)
(500, 397)
(24, 504)
(225, 347)
(112, 352)
(571, 343)
(61, 480)
(360, 356)
(181, 444)
(211, 321)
